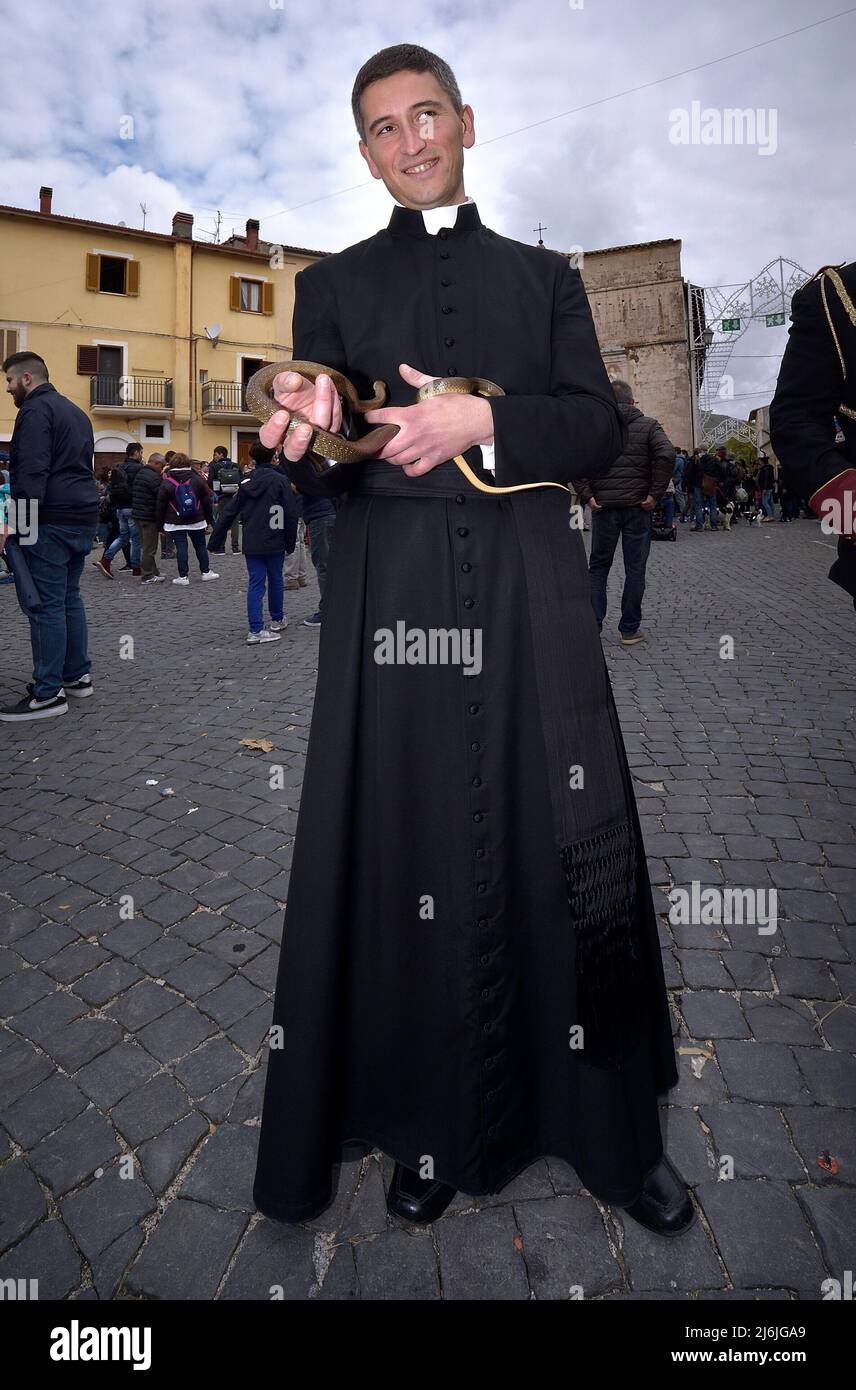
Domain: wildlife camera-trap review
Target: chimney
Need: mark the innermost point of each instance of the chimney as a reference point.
(252, 234)
(182, 225)
(45, 195)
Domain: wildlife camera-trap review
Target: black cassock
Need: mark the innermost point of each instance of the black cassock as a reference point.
(462, 913)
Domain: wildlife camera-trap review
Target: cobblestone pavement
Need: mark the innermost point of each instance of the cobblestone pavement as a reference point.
(141, 1039)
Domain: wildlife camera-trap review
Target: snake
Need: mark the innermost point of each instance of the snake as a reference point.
(324, 446)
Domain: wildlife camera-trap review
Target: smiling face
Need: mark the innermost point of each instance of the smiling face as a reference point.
(415, 141)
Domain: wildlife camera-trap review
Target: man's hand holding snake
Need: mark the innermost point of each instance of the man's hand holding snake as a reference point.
(317, 401)
(433, 430)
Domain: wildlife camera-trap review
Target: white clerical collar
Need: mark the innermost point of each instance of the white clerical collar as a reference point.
(435, 218)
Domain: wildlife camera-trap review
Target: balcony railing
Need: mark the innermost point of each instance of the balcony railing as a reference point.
(224, 398)
(130, 393)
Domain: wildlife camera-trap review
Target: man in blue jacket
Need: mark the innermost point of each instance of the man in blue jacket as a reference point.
(54, 498)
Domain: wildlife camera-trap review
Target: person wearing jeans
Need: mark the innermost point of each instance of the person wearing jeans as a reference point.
(699, 499)
(181, 474)
(633, 526)
(623, 507)
(53, 486)
(128, 535)
(266, 506)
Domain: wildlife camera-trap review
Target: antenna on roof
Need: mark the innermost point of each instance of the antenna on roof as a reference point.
(143, 210)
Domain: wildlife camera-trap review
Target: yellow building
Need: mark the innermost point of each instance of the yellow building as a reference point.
(155, 336)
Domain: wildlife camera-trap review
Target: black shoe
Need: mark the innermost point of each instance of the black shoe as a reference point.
(663, 1206)
(31, 708)
(314, 621)
(417, 1200)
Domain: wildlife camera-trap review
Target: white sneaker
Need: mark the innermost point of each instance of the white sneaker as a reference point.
(181, 580)
(209, 574)
(155, 579)
(278, 625)
(263, 636)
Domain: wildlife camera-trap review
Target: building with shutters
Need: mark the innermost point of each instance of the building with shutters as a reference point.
(154, 335)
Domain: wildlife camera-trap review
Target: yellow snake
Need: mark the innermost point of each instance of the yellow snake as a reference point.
(324, 445)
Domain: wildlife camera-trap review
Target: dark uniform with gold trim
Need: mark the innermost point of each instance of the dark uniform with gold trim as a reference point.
(817, 382)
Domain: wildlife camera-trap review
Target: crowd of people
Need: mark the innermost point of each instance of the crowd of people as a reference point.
(174, 502)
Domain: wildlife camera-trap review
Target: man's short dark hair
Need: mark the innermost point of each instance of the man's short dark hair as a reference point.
(221, 449)
(135, 447)
(259, 454)
(623, 392)
(27, 362)
(403, 57)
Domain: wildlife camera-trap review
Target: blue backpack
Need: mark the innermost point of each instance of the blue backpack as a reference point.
(185, 499)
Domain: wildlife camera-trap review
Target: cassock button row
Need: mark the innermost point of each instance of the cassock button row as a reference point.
(478, 817)
(491, 1129)
(446, 309)
(460, 499)
(445, 255)
(480, 854)
(472, 709)
(443, 233)
(476, 782)
(451, 371)
(469, 602)
(475, 747)
(445, 284)
(485, 960)
(483, 922)
(449, 342)
(463, 530)
(466, 567)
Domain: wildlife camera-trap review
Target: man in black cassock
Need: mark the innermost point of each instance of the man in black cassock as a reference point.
(817, 382)
(470, 974)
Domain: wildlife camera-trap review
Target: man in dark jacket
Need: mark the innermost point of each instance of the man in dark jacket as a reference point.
(266, 505)
(625, 499)
(144, 506)
(122, 498)
(817, 382)
(54, 497)
(224, 477)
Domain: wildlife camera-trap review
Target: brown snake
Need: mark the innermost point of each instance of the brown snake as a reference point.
(323, 445)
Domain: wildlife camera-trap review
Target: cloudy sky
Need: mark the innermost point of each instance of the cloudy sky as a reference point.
(245, 108)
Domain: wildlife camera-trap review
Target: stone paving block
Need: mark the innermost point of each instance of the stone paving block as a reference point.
(81, 1041)
(830, 1076)
(277, 1262)
(47, 1257)
(72, 1153)
(42, 1019)
(187, 1254)
(235, 946)
(222, 1172)
(832, 1213)
(149, 1109)
(112, 1075)
(762, 1235)
(198, 974)
(43, 1109)
(209, 1066)
(686, 1262)
(367, 1214)
(106, 981)
(566, 1248)
(699, 1077)
(45, 942)
(481, 1256)
(781, 1020)
(762, 1072)
(21, 1069)
(397, 1265)
(160, 957)
(176, 1033)
(161, 1157)
(703, 970)
(686, 1143)
(755, 1139)
(106, 1209)
(250, 1033)
(23, 988)
(22, 1203)
(142, 1004)
(839, 1027)
(710, 1014)
(231, 1001)
(816, 942)
(807, 979)
(819, 1131)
